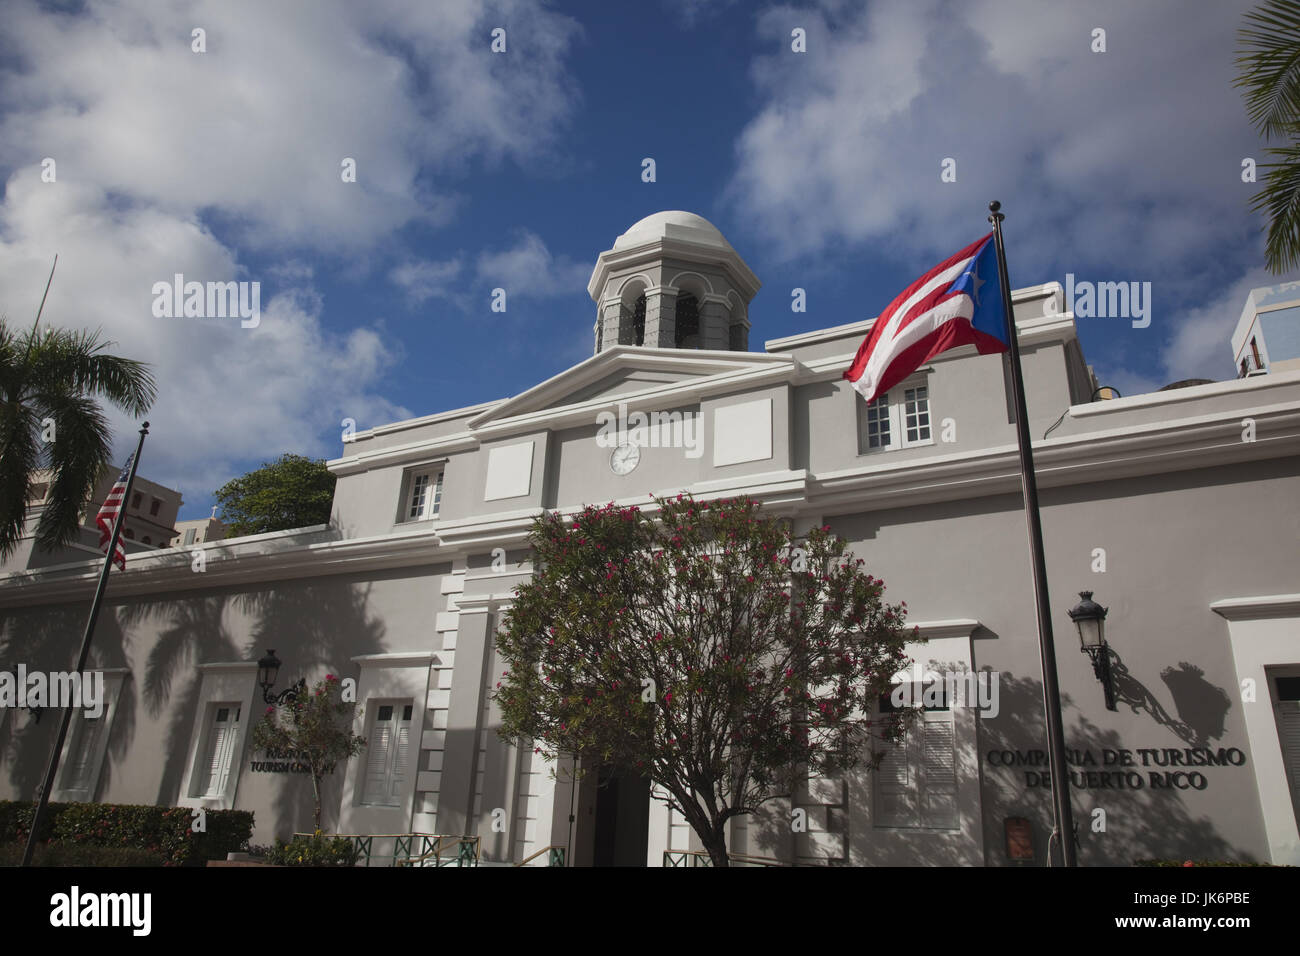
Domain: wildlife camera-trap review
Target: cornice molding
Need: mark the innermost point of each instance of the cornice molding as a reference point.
(1258, 608)
(1151, 449)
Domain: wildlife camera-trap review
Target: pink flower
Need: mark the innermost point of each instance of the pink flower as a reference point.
(668, 697)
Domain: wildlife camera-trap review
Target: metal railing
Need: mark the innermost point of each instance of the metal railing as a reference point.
(690, 858)
(555, 856)
(405, 846)
(466, 853)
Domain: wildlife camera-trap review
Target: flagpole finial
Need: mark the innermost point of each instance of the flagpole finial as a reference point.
(144, 427)
(994, 209)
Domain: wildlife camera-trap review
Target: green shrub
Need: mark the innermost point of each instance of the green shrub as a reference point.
(316, 850)
(163, 832)
(70, 854)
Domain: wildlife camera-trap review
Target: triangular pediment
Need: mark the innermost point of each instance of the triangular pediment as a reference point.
(625, 371)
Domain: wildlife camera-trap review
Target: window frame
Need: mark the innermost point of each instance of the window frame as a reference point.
(200, 786)
(431, 508)
(394, 788)
(895, 403)
(63, 791)
(913, 746)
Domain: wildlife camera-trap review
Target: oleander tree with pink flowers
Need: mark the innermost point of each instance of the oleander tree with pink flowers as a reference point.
(314, 729)
(702, 645)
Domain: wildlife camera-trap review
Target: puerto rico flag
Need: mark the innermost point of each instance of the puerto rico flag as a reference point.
(958, 302)
(108, 514)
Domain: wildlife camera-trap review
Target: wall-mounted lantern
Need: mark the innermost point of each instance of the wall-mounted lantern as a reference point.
(1090, 618)
(268, 669)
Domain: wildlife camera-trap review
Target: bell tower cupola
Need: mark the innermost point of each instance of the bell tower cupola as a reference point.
(672, 282)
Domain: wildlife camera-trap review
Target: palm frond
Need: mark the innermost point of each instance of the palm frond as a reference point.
(1269, 65)
(76, 359)
(1279, 200)
(78, 456)
(22, 456)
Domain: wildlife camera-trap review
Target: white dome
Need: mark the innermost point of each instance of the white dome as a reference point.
(672, 224)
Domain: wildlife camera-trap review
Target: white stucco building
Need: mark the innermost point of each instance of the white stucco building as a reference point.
(1180, 510)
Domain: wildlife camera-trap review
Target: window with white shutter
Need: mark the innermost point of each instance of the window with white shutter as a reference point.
(387, 755)
(222, 735)
(916, 784)
(1286, 697)
(87, 743)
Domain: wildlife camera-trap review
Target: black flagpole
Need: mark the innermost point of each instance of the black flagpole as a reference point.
(53, 765)
(1063, 816)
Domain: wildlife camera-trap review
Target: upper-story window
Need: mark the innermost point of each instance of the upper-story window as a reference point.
(153, 508)
(424, 498)
(135, 501)
(687, 325)
(638, 321)
(900, 418)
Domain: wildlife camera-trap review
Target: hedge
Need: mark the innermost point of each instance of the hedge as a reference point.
(1197, 863)
(163, 832)
(69, 854)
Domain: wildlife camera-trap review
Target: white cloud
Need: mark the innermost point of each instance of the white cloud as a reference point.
(170, 161)
(256, 128)
(529, 269)
(1127, 154)
(424, 279)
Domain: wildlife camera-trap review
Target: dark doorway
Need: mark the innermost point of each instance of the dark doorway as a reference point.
(622, 820)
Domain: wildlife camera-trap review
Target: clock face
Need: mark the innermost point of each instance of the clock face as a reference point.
(624, 458)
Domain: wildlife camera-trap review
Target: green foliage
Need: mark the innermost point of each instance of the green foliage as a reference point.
(316, 728)
(315, 850)
(290, 492)
(702, 647)
(60, 375)
(164, 832)
(1269, 73)
(71, 854)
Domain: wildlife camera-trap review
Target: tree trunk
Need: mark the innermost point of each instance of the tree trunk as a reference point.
(716, 844)
(315, 790)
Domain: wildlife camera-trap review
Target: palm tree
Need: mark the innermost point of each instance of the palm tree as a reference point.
(1269, 72)
(59, 376)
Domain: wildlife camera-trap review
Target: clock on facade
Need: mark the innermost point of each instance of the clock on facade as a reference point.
(624, 458)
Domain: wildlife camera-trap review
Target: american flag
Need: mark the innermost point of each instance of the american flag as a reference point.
(108, 514)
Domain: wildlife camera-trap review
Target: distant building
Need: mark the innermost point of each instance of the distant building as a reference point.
(199, 530)
(150, 516)
(1267, 337)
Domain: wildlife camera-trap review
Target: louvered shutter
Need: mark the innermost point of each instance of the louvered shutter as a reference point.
(403, 741)
(220, 750)
(83, 754)
(896, 785)
(1288, 726)
(938, 759)
(379, 758)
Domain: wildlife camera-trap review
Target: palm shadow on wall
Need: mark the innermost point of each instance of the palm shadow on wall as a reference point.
(49, 639)
(315, 628)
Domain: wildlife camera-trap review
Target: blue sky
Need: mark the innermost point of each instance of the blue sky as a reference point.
(478, 170)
